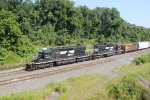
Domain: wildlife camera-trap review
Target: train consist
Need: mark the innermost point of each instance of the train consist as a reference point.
(49, 57)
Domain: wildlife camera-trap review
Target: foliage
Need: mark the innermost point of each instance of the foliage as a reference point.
(58, 22)
(3, 53)
(36, 94)
(142, 60)
(11, 37)
(83, 87)
(128, 89)
(60, 88)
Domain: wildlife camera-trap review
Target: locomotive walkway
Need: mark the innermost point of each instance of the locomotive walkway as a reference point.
(17, 81)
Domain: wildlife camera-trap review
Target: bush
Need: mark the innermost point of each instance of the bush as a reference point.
(139, 61)
(142, 60)
(128, 89)
(3, 53)
(60, 88)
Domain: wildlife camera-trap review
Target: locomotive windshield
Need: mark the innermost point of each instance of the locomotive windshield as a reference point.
(44, 53)
(34, 57)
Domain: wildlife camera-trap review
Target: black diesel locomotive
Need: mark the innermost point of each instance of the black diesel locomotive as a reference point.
(106, 50)
(48, 57)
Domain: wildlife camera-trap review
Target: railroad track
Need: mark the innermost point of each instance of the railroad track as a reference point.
(23, 71)
(137, 53)
(62, 70)
(43, 74)
(12, 72)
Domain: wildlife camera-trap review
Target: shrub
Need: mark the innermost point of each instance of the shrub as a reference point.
(139, 61)
(128, 89)
(60, 88)
(142, 60)
(3, 53)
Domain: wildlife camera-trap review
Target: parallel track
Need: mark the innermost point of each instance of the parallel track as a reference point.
(43, 74)
(12, 73)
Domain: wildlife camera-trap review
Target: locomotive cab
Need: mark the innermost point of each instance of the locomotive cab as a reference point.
(117, 49)
(44, 55)
(103, 49)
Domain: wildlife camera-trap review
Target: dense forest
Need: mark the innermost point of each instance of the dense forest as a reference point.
(25, 25)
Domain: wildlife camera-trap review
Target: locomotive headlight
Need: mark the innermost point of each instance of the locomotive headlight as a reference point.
(35, 57)
(96, 49)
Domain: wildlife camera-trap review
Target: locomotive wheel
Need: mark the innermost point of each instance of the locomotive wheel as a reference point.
(77, 59)
(58, 63)
(49, 65)
(43, 66)
(36, 67)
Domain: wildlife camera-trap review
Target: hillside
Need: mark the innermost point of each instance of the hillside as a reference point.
(24, 26)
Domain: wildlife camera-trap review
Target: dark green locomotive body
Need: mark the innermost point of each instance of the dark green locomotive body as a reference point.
(48, 57)
(106, 50)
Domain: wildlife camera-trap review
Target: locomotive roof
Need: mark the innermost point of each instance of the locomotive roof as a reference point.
(103, 45)
(70, 48)
(106, 44)
(48, 50)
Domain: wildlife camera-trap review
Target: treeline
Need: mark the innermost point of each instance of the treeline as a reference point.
(24, 24)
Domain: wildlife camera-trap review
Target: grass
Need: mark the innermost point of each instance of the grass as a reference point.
(12, 61)
(37, 94)
(126, 86)
(83, 87)
(142, 60)
(74, 88)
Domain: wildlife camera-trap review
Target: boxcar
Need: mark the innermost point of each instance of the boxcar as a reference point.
(143, 45)
(129, 47)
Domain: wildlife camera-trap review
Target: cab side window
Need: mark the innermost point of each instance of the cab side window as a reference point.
(47, 55)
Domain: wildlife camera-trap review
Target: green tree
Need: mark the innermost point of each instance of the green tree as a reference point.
(11, 37)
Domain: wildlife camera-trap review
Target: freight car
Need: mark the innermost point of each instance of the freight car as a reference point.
(48, 57)
(143, 45)
(129, 47)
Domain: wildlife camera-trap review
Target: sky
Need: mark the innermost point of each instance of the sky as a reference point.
(133, 11)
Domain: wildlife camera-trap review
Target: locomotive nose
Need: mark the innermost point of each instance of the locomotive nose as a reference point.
(34, 57)
(28, 66)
